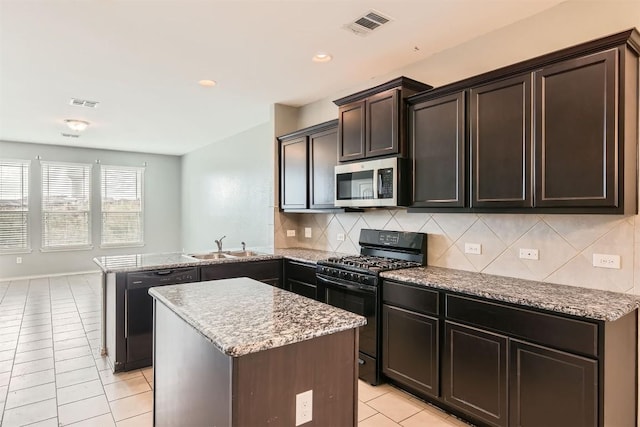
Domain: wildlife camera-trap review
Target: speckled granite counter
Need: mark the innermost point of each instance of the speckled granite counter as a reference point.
(576, 301)
(145, 262)
(242, 316)
(306, 255)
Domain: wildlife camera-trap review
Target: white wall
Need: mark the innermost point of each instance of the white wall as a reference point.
(161, 204)
(566, 242)
(228, 189)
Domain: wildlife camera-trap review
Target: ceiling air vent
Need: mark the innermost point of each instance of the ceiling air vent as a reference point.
(71, 135)
(83, 103)
(365, 24)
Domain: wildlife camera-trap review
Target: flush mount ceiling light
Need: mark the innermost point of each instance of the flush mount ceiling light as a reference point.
(322, 57)
(207, 83)
(76, 125)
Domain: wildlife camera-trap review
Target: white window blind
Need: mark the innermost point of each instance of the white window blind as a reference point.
(122, 206)
(66, 205)
(14, 205)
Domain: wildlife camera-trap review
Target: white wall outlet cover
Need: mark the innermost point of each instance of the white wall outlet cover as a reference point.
(473, 248)
(19, 260)
(340, 237)
(304, 407)
(307, 232)
(529, 254)
(291, 233)
(606, 261)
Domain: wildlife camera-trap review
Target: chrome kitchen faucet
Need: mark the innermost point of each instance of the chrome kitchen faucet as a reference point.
(219, 243)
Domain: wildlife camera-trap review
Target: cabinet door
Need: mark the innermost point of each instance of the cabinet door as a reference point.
(438, 151)
(305, 289)
(351, 131)
(410, 349)
(293, 174)
(475, 373)
(382, 121)
(575, 132)
(500, 143)
(323, 157)
(551, 388)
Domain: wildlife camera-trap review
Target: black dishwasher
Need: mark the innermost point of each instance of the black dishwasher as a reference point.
(138, 322)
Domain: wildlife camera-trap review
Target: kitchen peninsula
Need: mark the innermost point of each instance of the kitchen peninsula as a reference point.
(244, 344)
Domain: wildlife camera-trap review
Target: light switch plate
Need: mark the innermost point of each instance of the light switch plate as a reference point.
(529, 254)
(606, 261)
(307, 232)
(291, 233)
(473, 248)
(304, 407)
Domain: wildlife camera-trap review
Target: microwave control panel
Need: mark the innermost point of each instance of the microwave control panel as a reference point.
(385, 183)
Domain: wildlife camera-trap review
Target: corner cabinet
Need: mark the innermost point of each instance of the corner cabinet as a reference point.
(300, 278)
(555, 134)
(307, 160)
(372, 123)
(499, 364)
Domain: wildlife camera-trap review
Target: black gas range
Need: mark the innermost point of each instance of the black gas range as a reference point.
(351, 283)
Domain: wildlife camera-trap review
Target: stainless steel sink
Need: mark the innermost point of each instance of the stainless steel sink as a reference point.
(212, 255)
(243, 253)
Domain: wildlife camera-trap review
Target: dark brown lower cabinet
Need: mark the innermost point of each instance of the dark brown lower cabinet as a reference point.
(551, 388)
(269, 271)
(410, 349)
(300, 278)
(475, 373)
(499, 364)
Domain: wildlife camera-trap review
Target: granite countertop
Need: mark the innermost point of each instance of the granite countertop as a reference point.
(582, 302)
(242, 316)
(145, 262)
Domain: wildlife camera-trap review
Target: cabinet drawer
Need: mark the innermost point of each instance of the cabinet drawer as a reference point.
(258, 270)
(411, 297)
(555, 331)
(300, 271)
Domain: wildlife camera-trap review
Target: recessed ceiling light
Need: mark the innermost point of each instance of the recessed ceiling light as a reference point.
(76, 125)
(207, 83)
(322, 57)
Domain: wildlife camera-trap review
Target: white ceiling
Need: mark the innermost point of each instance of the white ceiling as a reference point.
(142, 59)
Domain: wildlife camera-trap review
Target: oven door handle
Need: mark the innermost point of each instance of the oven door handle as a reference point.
(349, 287)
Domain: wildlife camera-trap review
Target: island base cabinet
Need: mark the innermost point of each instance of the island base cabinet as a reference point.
(195, 384)
(551, 388)
(410, 349)
(475, 373)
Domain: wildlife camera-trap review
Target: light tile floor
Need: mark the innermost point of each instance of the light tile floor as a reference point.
(52, 374)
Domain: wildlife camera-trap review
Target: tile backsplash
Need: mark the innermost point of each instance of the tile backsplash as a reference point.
(566, 243)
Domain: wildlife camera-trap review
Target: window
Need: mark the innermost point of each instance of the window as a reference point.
(66, 206)
(14, 205)
(122, 206)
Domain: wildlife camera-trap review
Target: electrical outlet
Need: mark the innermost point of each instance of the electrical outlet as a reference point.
(307, 232)
(473, 248)
(304, 407)
(606, 261)
(291, 233)
(19, 260)
(529, 254)
(340, 237)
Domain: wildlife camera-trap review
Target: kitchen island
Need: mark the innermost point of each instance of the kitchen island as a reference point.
(237, 352)
(127, 307)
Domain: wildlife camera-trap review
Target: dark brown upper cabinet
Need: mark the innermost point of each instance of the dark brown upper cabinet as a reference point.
(307, 160)
(554, 134)
(372, 123)
(437, 131)
(500, 143)
(576, 116)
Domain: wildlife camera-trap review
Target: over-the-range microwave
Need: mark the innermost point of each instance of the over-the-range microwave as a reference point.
(372, 183)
